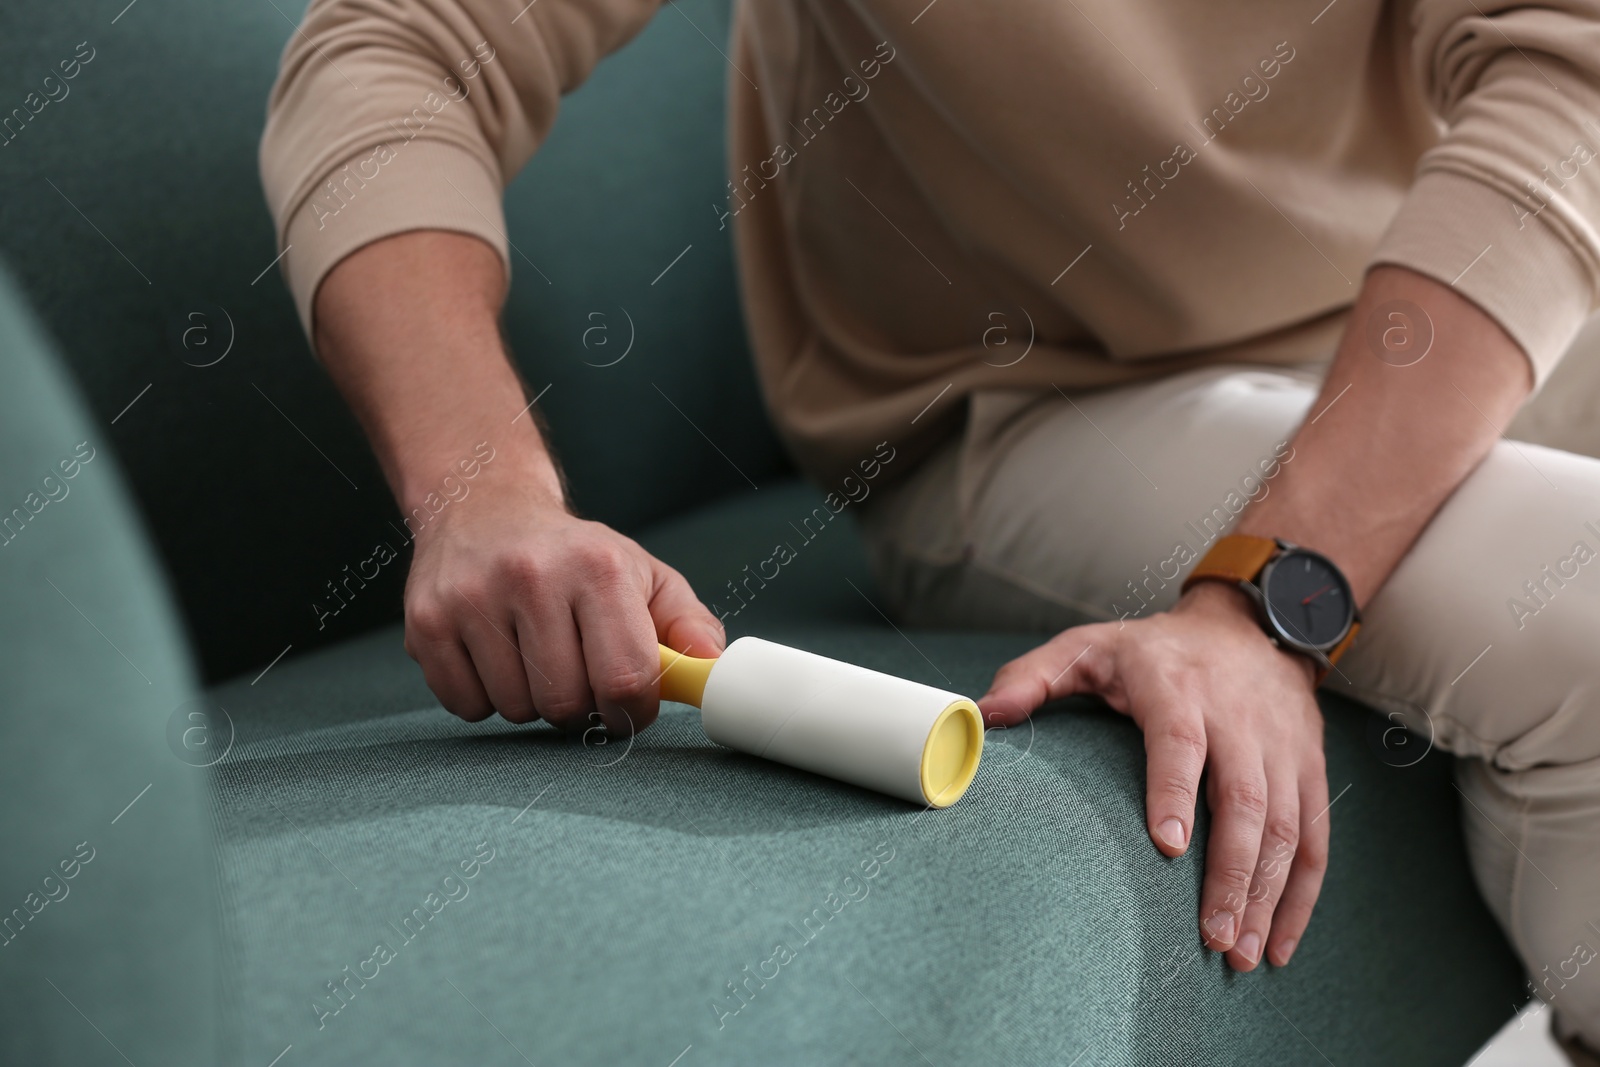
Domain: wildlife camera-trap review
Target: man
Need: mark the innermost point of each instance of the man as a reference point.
(1285, 275)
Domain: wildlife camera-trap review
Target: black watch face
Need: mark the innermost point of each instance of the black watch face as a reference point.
(1308, 601)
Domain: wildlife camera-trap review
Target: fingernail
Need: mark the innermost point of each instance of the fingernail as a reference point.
(1221, 926)
(1249, 946)
(1285, 950)
(1171, 831)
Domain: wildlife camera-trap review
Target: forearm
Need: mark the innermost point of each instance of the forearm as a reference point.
(512, 603)
(1384, 446)
(408, 328)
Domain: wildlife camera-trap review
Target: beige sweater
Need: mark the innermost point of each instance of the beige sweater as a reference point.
(920, 189)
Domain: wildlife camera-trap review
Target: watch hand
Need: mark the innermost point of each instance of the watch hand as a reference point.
(1314, 596)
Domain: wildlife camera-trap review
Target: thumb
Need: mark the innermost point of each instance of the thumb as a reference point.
(682, 622)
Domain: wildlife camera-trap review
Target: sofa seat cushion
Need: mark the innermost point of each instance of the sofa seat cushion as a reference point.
(404, 887)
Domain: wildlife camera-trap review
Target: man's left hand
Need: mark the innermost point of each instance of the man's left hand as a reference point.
(1212, 693)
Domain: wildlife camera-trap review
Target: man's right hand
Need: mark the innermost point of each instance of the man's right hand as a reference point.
(515, 605)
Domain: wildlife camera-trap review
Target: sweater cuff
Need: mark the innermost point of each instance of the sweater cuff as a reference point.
(393, 188)
(1497, 251)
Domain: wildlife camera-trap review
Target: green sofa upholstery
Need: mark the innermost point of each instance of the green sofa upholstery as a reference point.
(369, 880)
(108, 916)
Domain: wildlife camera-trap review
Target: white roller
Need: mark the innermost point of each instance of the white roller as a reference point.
(836, 719)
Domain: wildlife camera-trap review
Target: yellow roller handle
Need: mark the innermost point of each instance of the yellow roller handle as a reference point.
(683, 678)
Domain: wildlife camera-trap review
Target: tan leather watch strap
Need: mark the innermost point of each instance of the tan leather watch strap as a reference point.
(1239, 558)
(1234, 558)
(1338, 650)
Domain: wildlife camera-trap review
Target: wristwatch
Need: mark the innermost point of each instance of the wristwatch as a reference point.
(1302, 600)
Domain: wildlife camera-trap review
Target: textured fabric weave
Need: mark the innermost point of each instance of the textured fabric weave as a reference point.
(1030, 923)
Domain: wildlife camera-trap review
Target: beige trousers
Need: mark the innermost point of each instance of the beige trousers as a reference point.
(1053, 512)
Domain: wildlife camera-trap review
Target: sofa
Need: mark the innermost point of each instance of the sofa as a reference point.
(241, 829)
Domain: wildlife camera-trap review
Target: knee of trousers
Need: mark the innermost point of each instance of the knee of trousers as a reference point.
(1540, 700)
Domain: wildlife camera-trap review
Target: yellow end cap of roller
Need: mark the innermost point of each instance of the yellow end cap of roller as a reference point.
(683, 678)
(950, 755)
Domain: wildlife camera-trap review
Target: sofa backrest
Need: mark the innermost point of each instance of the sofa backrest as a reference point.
(131, 211)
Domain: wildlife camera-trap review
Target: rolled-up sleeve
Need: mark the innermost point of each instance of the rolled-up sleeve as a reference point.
(396, 115)
(1506, 206)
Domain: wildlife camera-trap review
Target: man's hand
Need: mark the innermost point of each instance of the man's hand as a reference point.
(513, 604)
(1205, 684)
(1211, 694)
(517, 606)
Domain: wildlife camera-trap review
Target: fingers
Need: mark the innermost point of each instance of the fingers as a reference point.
(519, 606)
(1175, 754)
(1071, 662)
(1305, 876)
(498, 662)
(569, 641)
(681, 621)
(1237, 795)
(432, 641)
(1279, 840)
(618, 637)
(548, 637)
(1212, 698)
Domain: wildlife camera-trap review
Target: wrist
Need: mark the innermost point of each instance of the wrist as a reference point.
(1222, 599)
(1231, 606)
(487, 465)
(408, 328)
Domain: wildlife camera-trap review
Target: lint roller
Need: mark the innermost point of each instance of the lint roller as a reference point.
(835, 719)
